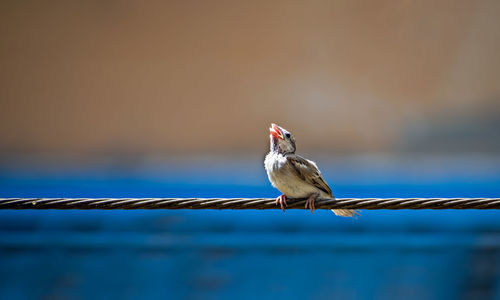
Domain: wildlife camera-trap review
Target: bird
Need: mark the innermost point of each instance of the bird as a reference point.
(295, 176)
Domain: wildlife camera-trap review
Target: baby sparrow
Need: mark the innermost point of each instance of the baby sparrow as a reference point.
(295, 176)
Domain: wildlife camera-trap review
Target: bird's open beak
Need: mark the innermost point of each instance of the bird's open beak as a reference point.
(275, 131)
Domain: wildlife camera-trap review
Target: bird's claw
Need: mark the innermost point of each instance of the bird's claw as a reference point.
(311, 202)
(282, 200)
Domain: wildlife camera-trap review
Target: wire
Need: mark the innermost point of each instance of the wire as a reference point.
(247, 203)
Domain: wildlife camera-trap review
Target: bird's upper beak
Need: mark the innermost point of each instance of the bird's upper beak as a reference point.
(276, 131)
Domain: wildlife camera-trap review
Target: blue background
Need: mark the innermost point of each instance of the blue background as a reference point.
(250, 254)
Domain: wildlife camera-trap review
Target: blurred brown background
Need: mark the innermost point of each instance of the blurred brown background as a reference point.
(101, 77)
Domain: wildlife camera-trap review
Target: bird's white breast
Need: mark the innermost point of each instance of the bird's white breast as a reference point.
(284, 178)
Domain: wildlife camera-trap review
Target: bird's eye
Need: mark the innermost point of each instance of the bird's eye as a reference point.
(287, 135)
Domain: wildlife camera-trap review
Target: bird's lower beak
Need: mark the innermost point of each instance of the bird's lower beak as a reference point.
(275, 131)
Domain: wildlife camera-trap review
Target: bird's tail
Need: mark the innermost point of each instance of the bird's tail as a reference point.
(346, 212)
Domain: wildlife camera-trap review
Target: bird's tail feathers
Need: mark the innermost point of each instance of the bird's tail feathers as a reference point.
(346, 212)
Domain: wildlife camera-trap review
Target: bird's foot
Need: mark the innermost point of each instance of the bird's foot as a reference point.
(281, 200)
(310, 202)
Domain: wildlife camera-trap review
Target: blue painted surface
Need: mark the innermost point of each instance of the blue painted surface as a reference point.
(247, 254)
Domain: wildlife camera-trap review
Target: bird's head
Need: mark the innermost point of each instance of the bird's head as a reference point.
(282, 141)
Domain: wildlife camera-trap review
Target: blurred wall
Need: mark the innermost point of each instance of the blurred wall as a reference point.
(91, 77)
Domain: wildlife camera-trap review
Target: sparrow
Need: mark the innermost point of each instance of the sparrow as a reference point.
(295, 176)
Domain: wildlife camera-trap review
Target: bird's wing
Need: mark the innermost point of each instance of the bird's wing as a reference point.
(308, 171)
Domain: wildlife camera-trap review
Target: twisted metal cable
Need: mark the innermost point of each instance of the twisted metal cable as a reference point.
(247, 203)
